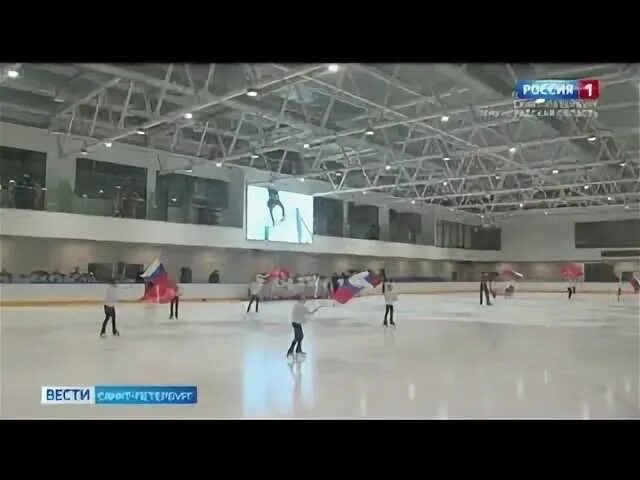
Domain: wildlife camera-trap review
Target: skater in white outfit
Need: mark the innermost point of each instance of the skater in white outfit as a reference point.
(299, 316)
(390, 297)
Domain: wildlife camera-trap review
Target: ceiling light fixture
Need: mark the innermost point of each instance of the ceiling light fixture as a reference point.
(84, 151)
(302, 179)
(622, 164)
(218, 164)
(338, 174)
(610, 198)
(586, 187)
(369, 131)
(333, 67)
(546, 213)
(445, 118)
(59, 100)
(413, 202)
(445, 183)
(108, 144)
(364, 193)
(254, 156)
(13, 74)
(188, 116)
(252, 92)
(497, 177)
(306, 145)
(446, 159)
(387, 167)
(481, 216)
(189, 170)
(140, 132)
(521, 205)
(555, 171)
(591, 138)
(512, 149)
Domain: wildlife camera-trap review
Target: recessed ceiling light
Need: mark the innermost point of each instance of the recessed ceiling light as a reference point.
(445, 118)
(369, 131)
(252, 92)
(188, 116)
(555, 171)
(387, 167)
(108, 144)
(13, 74)
(333, 67)
(512, 149)
(306, 145)
(140, 132)
(591, 138)
(218, 164)
(446, 159)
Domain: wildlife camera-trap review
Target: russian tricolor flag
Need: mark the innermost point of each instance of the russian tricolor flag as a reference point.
(355, 284)
(158, 287)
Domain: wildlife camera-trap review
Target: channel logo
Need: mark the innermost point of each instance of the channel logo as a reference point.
(557, 90)
(119, 395)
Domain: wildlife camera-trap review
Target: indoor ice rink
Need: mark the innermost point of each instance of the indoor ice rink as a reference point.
(493, 217)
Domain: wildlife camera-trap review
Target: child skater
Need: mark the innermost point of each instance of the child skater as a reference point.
(390, 298)
(254, 291)
(175, 301)
(110, 300)
(299, 316)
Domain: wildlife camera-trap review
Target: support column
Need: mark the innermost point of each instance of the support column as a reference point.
(383, 222)
(60, 175)
(151, 193)
(345, 218)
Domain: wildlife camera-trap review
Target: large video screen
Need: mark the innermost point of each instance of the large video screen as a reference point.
(279, 216)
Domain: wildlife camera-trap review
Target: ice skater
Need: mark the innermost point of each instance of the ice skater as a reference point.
(390, 297)
(254, 291)
(274, 201)
(110, 300)
(175, 301)
(299, 316)
(508, 292)
(570, 292)
(484, 289)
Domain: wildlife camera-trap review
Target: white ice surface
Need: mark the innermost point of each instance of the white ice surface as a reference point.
(535, 356)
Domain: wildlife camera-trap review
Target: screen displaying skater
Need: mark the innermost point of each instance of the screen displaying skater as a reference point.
(278, 216)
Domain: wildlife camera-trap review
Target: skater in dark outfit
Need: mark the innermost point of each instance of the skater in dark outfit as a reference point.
(570, 291)
(390, 298)
(484, 289)
(274, 200)
(110, 300)
(175, 301)
(619, 293)
(299, 316)
(254, 290)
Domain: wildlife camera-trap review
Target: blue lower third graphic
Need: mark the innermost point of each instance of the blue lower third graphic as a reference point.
(145, 395)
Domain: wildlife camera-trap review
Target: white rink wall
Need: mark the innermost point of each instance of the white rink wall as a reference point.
(51, 294)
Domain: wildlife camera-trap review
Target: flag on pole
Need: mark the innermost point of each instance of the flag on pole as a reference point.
(158, 287)
(355, 284)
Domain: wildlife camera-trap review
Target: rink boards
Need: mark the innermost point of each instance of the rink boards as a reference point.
(63, 294)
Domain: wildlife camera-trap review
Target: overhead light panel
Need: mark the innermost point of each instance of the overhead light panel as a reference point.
(141, 132)
(446, 159)
(333, 67)
(338, 174)
(188, 116)
(591, 138)
(59, 100)
(254, 156)
(387, 167)
(13, 74)
(555, 171)
(369, 131)
(306, 145)
(445, 118)
(108, 144)
(252, 92)
(586, 187)
(512, 149)
(622, 164)
(445, 183)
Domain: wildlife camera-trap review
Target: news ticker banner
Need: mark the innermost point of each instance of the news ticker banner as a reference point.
(557, 89)
(119, 395)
